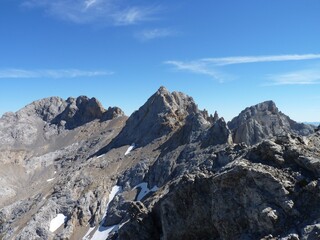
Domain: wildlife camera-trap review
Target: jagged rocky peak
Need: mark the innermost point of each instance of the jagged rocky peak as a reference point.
(49, 116)
(82, 110)
(219, 133)
(262, 121)
(79, 111)
(215, 116)
(111, 113)
(71, 113)
(176, 103)
(163, 113)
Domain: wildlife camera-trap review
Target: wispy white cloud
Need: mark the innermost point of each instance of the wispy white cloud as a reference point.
(50, 73)
(301, 77)
(256, 59)
(134, 15)
(194, 67)
(150, 34)
(113, 12)
(210, 66)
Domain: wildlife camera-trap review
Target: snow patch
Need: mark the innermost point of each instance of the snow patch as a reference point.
(130, 149)
(57, 222)
(144, 190)
(50, 179)
(87, 236)
(103, 232)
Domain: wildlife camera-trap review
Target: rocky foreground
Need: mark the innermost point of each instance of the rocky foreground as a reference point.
(70, 169)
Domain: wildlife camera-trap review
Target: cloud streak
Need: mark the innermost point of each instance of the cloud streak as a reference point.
(111, 12)
(210, 66)
(194, 67)
(259, 59)
(302, 77)
(150, 34)
(50, 73)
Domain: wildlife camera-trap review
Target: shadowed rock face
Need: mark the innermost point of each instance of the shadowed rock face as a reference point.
(163, 113)
(262, 121)
(42, 119)
(82, 110)
(195, 176)
(270, 190)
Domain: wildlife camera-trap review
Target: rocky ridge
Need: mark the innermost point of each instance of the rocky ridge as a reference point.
(181, 174)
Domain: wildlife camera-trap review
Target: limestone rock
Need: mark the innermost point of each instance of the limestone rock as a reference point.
(80, 111)
(161, 114)
(262, 121)
(111, 113)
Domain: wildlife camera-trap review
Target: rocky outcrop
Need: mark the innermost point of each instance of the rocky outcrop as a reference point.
(42, 120)
(111, 113)
(163, 113)
(219, 133)
(26, 126)
(79, 111)
(262, 121)
(261, 194)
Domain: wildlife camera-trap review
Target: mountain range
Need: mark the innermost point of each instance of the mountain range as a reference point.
(70, 169)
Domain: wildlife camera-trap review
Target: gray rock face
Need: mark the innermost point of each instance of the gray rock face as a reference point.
(262, 121)
(163, 113)
(219, 133)
(79, 111)
(255, 196)
(111, 113)
(40, 120)
(195, 176)
(46, 109)
(25, 126)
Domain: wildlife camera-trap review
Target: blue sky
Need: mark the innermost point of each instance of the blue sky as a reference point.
(226, 54)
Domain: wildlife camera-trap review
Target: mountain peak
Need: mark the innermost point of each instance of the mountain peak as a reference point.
(262, 121)
(267, 106)
(79, 111)
(162, 113)
(162, 90)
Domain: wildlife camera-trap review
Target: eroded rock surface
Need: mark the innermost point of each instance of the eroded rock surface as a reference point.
(262, 121)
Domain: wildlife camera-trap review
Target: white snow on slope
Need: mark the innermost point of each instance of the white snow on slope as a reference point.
(101, 156)
(57, 222)
(144, 190)
(87, 236)
(103, 232)
(130, 149)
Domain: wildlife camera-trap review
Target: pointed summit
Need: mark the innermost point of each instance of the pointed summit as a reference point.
(262, 121)
(162, 113)
(162, 90)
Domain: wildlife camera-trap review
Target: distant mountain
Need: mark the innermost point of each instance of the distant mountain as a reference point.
(262, 121)
(71, 169)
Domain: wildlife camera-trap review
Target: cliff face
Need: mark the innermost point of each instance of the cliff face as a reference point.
(169, 171)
